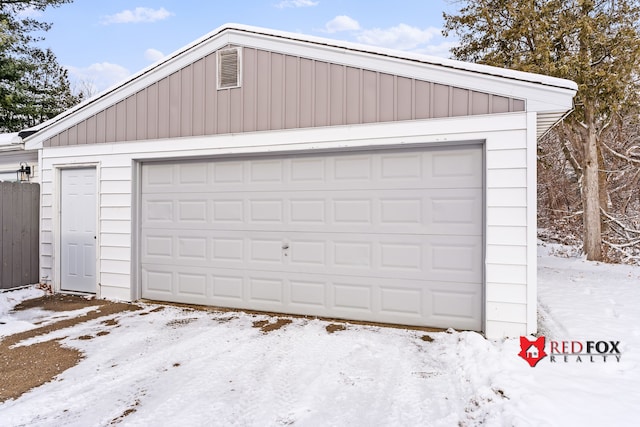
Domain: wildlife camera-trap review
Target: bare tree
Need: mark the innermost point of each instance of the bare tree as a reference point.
(596, 43)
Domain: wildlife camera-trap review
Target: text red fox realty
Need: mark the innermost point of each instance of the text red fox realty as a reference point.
(601, 351)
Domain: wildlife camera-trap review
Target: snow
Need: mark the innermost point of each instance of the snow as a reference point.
(10, 139)
(12, 323)
(184, 367)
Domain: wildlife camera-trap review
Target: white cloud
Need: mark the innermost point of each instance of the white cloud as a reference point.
(341, 23)
(99, 76)
(427, 41)
(441, 50)
(153, 55)
(139, 14)
(296, 3)
(402, 36)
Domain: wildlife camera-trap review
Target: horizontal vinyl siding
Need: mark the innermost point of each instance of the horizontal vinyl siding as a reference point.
(507, 223)
(278, 92)
(507, 178)
(506, 235)
(114, 220)
(46, 225)
(507, 293)
(506, 312)
(499, 328)
(115, 227)
(506, 256)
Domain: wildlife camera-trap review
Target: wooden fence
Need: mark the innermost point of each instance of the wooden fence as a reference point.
(19, 231)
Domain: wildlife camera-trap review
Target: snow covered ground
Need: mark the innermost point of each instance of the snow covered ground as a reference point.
(192, 368)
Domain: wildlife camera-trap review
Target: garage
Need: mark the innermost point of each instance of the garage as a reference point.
(387, 235)
(262, 170)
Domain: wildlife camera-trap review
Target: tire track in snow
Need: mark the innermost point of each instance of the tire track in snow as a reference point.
(285, 390)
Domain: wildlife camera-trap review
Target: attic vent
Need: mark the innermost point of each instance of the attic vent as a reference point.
(228, 68)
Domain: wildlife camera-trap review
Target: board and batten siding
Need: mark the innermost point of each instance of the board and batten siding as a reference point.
(508, 169)
(278, 91)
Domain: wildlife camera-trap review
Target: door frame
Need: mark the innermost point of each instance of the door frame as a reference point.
(57, 225)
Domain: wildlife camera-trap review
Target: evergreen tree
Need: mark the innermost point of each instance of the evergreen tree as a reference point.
(33, 86)
(595, 43)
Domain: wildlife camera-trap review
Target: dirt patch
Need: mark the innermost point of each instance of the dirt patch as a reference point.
(25, 367)
(126, 413)
(155, 310)
(106, 308)
(181, 322)
(335, 327)
(426, 338)
(217, 310)
(266, 326)
(59, 302)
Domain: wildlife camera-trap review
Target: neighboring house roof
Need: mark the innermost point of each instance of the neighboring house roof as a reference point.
(549, 97)
(11, 142)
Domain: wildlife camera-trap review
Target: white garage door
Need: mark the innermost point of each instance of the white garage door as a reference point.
(388, 235)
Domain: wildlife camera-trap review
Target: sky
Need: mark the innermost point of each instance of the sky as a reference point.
(102, 42)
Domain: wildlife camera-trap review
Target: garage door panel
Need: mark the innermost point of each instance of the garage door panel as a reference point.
(414, 257)
(191, 248)
(192, 211)
(157, 283)
(266, 290)
(160, 175)
(389, 235)
(441, 211)
(454, 303)
(157, 211)
(442, 258)
(265, 252)
(457, 168)
(454, 258)
(228, 288)
(402, 301)
(416, 302)
(266, 171)
(192, 284)
(227, 211)
(266, 210)
(386, 169)
(306, 293)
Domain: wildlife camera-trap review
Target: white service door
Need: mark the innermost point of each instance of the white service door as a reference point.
(387, 235)
(78, 230)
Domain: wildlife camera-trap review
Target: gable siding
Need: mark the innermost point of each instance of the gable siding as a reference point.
(278, 92)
